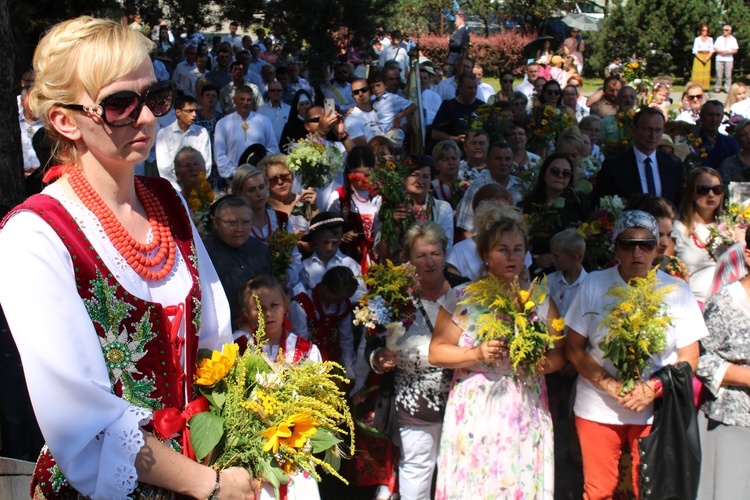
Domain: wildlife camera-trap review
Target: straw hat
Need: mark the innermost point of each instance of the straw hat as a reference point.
(681, 149)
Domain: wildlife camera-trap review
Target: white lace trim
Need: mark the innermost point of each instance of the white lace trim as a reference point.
(122, 441)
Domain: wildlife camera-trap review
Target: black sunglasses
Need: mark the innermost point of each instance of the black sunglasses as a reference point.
(557, 171)
(703, 190)
(315, 119)
(123, 108)
(552, 92)
(646, 245)
(360, 91)
(507, 80)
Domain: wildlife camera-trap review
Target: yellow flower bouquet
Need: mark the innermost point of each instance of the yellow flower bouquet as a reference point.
(200, 198)
(269, 416)
(512, 313)
(637, 324)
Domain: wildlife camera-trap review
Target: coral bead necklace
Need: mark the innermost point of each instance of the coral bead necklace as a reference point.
(133, 251)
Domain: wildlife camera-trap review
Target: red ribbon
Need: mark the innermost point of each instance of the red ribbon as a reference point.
(170, 421)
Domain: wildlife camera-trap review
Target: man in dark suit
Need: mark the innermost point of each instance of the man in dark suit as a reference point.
(458, 44)
(643, 169)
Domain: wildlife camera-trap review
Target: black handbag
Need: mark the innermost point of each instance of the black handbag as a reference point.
(385, 419)
(671, 453)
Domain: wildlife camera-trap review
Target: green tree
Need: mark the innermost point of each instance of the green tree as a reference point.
(661, 33)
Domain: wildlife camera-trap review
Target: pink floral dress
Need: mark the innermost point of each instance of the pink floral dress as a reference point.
(497, 437)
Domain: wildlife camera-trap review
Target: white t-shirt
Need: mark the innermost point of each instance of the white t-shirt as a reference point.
(586, 313)
(362, 123)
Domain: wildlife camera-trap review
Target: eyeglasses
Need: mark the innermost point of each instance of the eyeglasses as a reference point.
(646, 245)
(552, 92)
(284, 178)
(234, 224)
(123, 108)
(703, 189)
(315, 119)
(194, 110)
(695, 97)
(360, 91)
(557, 171)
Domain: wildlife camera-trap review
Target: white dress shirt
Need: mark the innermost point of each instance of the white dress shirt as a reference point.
(278, 116)
(230, 140)
(182, 76)
(640, 158)
(431, 102)
(170, 139)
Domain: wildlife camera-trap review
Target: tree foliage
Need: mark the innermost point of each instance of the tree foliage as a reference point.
(661, 33)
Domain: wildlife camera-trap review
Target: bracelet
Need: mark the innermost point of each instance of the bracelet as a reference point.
(215, 492)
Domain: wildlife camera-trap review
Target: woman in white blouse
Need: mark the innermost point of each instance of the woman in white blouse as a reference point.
(703, 49)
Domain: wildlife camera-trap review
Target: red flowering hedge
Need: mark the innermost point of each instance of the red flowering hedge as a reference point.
(494, 53)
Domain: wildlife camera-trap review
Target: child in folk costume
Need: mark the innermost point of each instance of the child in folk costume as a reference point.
(323, 315)
(358, 206)
(326, 231)
(279, 341)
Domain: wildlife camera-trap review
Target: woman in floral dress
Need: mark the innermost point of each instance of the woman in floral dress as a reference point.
(497, 437)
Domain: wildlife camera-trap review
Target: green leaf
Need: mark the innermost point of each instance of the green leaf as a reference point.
(273, 475)
(323, 440)
(216, 398)
(206, 430)
(333, 459)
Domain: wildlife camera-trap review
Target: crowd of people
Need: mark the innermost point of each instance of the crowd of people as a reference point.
(169, 186)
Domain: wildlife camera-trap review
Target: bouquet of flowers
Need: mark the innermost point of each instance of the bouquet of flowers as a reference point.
(590, 166)
(458, 189)
(623, 122)
(513, 315)
(199, 200)
(314, 161)
(388, 182)
(637, 323)
(730, 229)
(493, 119)
(634, 73)
(269, 416)
(597, 231)
(282, 243)
(527, 173)
(390, 298)
(545, 123)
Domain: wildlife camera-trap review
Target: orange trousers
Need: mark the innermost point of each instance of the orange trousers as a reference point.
(601, 447)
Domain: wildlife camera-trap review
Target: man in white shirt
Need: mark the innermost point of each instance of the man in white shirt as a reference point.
(431, 101)
(29, 125)
(233, 38)
(227, 93)
(182, 132)
(396, 51)
(275, 110)
(236, 132)
(499, 166)
(339, 89)
(362, 123)
(485, 90)
(448, 87)
(725, 47)
(527, 85)
(182, 73)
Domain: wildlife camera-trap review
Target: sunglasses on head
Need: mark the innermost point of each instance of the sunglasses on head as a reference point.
(557, 171)
(703, 189)
(360, 91)
(646, 245)
(123, 108)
